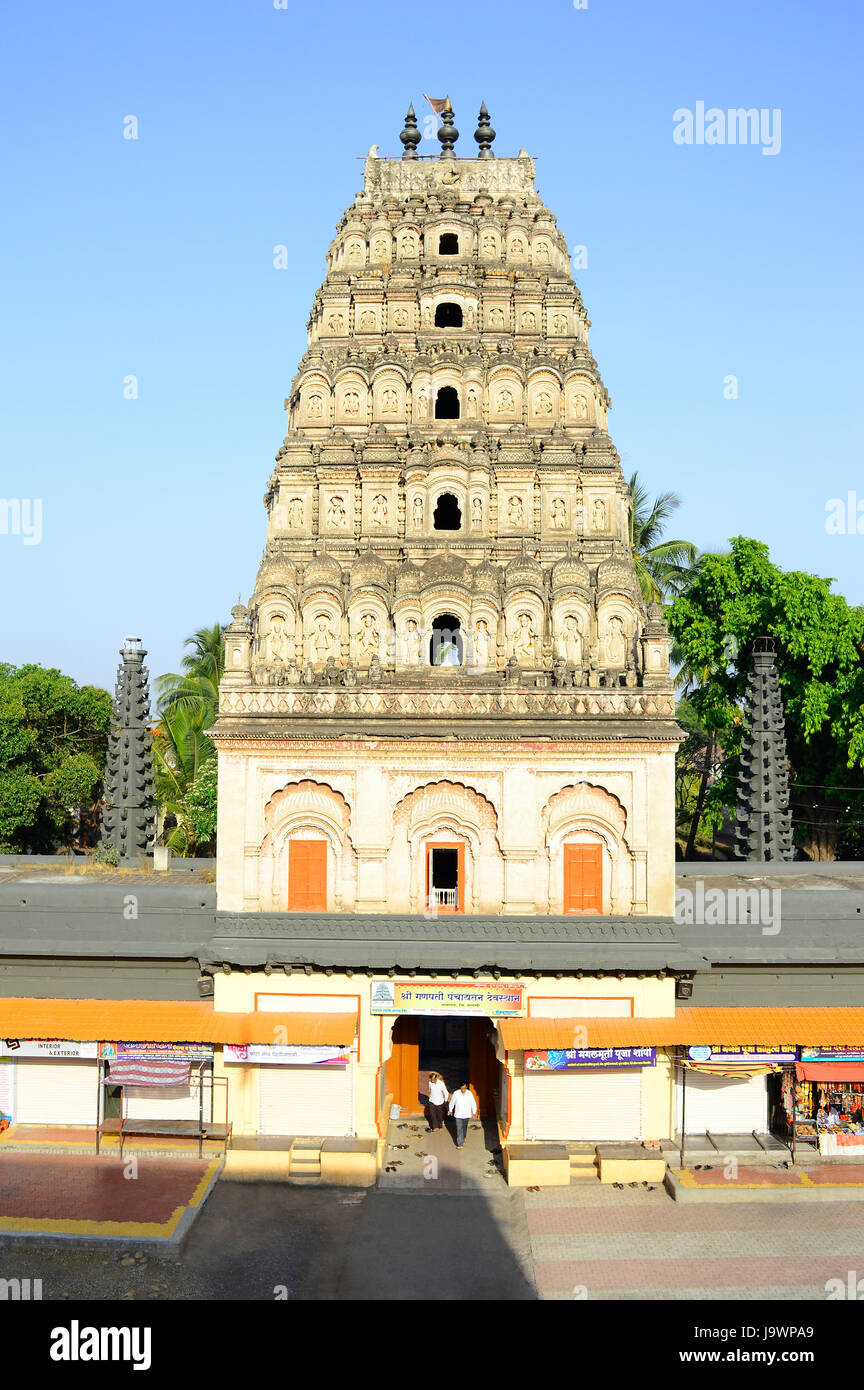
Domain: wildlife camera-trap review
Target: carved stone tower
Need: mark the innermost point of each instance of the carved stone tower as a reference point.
(128, 819)
(447, 678)
(763, 825)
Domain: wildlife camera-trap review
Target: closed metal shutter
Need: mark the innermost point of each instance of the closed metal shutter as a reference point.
(55, 1093)
(169, 1102)
(316, 1100)
(595, 1104)
(722, 1105)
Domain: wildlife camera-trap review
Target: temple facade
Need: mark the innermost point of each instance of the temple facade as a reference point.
(446, 694)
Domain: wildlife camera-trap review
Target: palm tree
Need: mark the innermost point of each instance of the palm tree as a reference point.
(663, 568)
(197, 688)
(183, 754)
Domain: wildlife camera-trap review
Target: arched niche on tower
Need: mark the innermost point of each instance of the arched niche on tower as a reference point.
(368, 318)
(351, 399)
(524, 640)
(544, 398)
(543, 251)
(505, 397)
(482, 639)
(453, 812)
(322, 629)
(446, 479)
(617, 630)
(489, 243)
(559, 321)
(572, 629)
(408, 243)
(370, 631)
(314, 406)
(380, 245)
(306, 810)
(389, 397)
(579, 401)
(518, 245)
(354, 251)
(421, 398)
(275, 630)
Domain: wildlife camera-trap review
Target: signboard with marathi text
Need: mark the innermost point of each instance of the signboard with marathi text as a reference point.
(143, 1051)
(832, 1054)
(485, 999)
(285, 1054)
(566, 1059)
(757, 1055)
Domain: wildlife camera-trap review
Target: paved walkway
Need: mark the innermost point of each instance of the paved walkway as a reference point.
(57, 1139)
(77, 1196)
(420, 1161)
(598, 1243)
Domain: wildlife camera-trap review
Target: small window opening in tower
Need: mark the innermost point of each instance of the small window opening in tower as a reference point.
(445, 647)
(447, 404)
(448, 244)
(447, 516)
(448, 316)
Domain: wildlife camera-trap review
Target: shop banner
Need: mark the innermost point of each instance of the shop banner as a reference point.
(46, 1047)
(145, 1051)
(565, 1059)
(440, 997)
(284, 1054)
(759, 1056)
(832, 1054)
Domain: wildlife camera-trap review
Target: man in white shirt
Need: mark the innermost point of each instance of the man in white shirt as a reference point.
(463, 1108)
(438, 1098)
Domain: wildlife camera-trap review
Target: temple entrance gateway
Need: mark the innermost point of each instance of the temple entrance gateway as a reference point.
(460, 1048)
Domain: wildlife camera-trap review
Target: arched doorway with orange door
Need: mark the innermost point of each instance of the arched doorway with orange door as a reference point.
(461, 1048)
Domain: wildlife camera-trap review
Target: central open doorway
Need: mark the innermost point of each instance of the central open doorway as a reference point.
(460, 1048)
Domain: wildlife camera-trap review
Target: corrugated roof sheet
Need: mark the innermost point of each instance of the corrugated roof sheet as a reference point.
(137, 1020)
(816, 1027)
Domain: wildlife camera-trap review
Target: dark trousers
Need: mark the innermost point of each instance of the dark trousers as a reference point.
(461, 1130)
(436, 1115)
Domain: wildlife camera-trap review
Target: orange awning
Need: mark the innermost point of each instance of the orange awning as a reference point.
(755, 1027)
(150, 1020)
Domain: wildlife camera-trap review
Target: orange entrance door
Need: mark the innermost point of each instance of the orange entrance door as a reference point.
(583, 878)
(403, 1066)
(483, 1066)
(307, 876)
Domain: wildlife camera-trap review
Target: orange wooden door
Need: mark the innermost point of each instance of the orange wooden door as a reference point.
(403, 1065)
(307, 875)
(583, 878)
(483, 1067)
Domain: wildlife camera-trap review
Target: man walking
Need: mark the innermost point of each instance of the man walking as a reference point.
(463, 1108)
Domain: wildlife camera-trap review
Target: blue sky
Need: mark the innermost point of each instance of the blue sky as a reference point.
(153, 258)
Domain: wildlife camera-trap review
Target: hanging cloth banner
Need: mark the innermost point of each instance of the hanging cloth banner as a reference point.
(742, 1072)
(150, 1071)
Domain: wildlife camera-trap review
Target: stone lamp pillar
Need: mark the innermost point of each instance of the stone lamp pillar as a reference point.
(238, 647)
(655, 643)
(129, 814)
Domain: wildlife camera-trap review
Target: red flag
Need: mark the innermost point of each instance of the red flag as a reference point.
(438, 104)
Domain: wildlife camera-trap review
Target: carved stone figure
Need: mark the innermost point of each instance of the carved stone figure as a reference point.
(469, 316)
(488, 244)
(380, 248)
(504, 403)
(529, 321)
(334, 323)
(417, 514)
(558, 513)
(523, 640)
(379, 510)
(422, 405)
(368, 638)
(352, 403)
(518, 246)
(599, 514)
(278, 648)
(569, 644)
(336, 514)
(411, 644)
(389, 401)
(482, 643)
(315, 407)
(400, 318)
(367, 320)
(559, 323)
(295, 513)
(543, 403)
(515, 511)
(471, 404)
(496, 318)
(616, 642)
(322, 643)
(541, 252)
(580, 406)
(476, 513)
(427, 316)
(355, 253)
(408, 244)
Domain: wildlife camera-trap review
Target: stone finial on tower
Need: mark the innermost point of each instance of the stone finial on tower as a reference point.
(763, 824)
(484, 134)
(127, 822)
(447, 132)
(410, 135)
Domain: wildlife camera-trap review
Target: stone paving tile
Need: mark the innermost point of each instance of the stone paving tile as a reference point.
(652, 1275)
(720, 1245)
(758, 1294)
(664, 1217)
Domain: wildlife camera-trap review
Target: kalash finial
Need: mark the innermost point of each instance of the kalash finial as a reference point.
(484, 134)
(447, 132)
(410, 136)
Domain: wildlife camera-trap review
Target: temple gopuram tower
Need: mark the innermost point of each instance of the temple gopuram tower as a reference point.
(446, 693)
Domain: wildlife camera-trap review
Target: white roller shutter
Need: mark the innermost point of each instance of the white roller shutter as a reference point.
(722, 1105)
(55, 1093)
(169, 1102)
(595, 1104)
(317, 1100)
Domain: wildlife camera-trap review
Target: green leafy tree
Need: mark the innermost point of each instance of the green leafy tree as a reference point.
(736, 598)
(662, 567)
(184, 757)
(53, 746)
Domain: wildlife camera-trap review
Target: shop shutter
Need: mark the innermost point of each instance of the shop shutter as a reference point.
(722, 1105)
(55, 1093)
(169, 1102)
(314, 1101)
(596, 1104)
